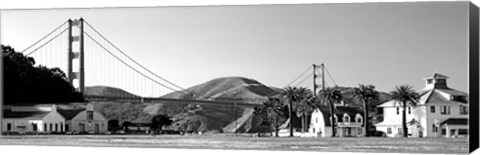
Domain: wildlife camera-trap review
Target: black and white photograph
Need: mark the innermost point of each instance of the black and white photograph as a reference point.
(360, 77)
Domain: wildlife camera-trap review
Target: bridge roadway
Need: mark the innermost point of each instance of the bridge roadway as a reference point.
(94, 98)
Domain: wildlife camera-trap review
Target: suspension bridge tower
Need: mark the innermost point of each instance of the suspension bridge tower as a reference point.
(315, 76)
(76, 53)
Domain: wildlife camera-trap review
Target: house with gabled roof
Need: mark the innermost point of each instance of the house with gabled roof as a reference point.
(348, 122)
(49, 118)
(440, 112)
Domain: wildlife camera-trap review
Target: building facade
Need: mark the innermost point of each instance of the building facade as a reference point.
(440, 112)
(48, 118)
(348, 122)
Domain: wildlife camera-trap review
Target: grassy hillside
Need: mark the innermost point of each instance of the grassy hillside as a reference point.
(214, 118)
(107, 91)
(226, 88)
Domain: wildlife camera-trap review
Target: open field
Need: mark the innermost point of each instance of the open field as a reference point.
(384, 145)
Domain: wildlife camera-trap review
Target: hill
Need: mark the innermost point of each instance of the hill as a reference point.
(214, 118)
(227, 88)
(107, 91)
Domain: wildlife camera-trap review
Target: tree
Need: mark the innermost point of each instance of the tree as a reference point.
(159, 121)
(113, 125)
(305, 105)
(291, 96)
(26, 83)
(366, 94)
(125, 125)
(332, 95)
(271, 113)
(405, 95)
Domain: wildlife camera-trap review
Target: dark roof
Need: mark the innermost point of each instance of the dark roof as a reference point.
(70, 113)
(26, 115)
(453, 92)
(436, 97)
(436, 76)
(455, 121)
(339, 111)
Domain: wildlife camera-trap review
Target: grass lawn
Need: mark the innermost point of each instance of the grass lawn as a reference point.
(384, 145)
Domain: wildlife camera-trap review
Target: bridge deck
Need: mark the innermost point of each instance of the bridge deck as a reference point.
(169, 101)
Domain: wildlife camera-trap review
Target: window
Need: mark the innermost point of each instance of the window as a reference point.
(89, 115)
(51, 127)
(441, 81)
(359, 120)
(459, 98)
(9, 126)
(434, 128)
(432, 109)
(313, 130)
(463, 131)
(429, 81)
(45, 127)
(34, 126)
(61, 127)
(463, 110)
(82, 127)
(316, 120)
(359, 131)
(66, 127)
(409, 110)
(346, 118)
(56, 127)
(398, 110)
(445, 110)
(444, 131)
(389, 130)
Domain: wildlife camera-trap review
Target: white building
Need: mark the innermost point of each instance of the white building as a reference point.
(440, 112)
(48, 118)
(39, 118)
(348, 121)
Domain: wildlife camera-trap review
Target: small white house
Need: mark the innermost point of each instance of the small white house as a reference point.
(32, 119)
(89, 120)
(48, 118)
(440, 112)
(348, 120)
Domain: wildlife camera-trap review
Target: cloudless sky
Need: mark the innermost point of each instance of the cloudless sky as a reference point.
(384, 44)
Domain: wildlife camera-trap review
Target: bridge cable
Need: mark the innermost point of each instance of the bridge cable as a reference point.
(125, 62)
(47, 42)
(44, 37)
(299, 76)
(331, 76)
(130, 57)
(303, 80)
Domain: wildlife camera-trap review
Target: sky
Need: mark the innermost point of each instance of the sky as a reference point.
(384, 44)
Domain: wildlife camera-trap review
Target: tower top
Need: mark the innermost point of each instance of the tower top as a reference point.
(436, 81)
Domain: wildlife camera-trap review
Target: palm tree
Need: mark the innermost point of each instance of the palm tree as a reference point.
(366, 94)
(305, 105)
(403, 95)
(291, 95)
(271, 111)
(332, 95)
